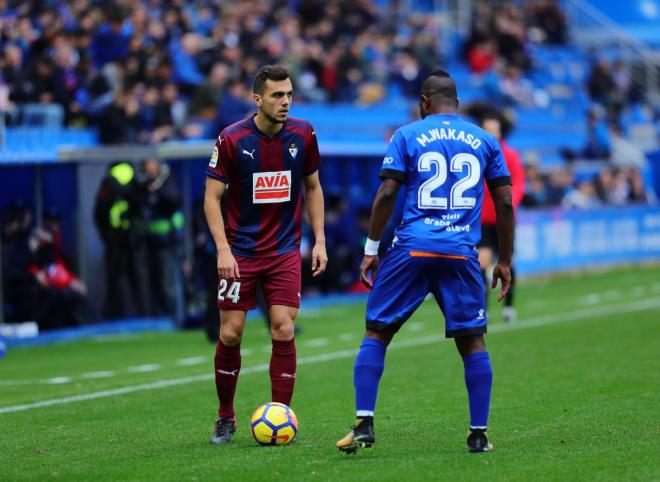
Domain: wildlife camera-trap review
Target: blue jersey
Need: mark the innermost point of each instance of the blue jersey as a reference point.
(443, 161)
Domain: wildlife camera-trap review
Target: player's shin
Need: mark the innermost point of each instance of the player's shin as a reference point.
(227, 367)
(283, 370)
(479, 381)
(369, 366)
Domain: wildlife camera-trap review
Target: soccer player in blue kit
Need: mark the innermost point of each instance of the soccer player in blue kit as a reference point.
(441, 161)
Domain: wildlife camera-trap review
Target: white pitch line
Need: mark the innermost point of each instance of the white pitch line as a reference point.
(149, 367)
(316, 342)
(584, 314)
(193, 360)
(58, 380)
(99, 374)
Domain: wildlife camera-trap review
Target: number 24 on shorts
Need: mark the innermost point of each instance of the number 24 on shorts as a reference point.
(233, 293)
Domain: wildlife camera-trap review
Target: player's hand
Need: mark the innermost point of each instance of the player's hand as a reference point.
(227, 265)
(319, 259)
(502, 272)
(369, 264)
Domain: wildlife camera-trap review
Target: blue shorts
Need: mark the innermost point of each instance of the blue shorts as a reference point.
(404, 278)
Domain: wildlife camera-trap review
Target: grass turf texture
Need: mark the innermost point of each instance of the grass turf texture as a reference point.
(575, 398)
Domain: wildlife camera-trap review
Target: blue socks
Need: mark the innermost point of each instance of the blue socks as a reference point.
(478, 380)
(369, 365)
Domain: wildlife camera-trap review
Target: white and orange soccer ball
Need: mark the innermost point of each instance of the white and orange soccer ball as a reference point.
(274, 424)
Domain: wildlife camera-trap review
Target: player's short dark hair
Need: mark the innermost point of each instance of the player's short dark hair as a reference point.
(268, 72)
(439, 82)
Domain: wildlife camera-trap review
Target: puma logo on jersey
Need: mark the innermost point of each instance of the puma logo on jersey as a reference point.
(271, 187)
(249, 153)
(288, 375)
(224, 372)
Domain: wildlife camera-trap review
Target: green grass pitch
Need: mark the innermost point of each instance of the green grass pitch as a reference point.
(576, 397)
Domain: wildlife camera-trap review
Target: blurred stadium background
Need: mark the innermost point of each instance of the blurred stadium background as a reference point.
(87, 85)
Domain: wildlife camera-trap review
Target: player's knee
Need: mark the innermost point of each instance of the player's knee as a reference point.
(282, 329)
(385, 337)
(470, 344)
(231, 336)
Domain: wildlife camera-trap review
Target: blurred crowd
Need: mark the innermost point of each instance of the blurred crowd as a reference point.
(498, 48)
(155, 70)
(568, 189)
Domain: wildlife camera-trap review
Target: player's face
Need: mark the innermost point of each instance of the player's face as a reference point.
(493, 126)
(276, 100)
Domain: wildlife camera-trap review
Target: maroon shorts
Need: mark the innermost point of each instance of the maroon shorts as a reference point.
(279, 276)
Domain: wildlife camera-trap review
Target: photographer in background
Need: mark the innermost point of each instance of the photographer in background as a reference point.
(161, 209)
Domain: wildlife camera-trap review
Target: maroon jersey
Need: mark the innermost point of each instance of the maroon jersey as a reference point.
(264, 180)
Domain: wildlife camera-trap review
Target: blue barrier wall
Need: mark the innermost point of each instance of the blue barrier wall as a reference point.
(557, 240)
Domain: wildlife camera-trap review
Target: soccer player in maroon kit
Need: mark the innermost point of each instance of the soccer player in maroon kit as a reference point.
(263, 162)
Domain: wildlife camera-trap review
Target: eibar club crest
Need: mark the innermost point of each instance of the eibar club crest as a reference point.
(293, 150)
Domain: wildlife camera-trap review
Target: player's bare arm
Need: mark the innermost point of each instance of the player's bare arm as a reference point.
(315, 210)
(227, 266)
(505, 224)
(381, 211)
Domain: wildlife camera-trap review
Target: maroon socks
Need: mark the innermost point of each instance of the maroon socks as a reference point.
(283, 370)
(227, 366)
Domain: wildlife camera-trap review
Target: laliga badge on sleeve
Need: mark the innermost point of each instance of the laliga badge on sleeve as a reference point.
(214, 157)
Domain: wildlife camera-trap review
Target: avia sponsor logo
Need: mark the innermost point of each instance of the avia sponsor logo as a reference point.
(271, 187)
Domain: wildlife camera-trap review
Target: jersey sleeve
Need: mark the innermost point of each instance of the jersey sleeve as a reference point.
(313, 157)
(394, 162)
(220, 163)
(496, 173)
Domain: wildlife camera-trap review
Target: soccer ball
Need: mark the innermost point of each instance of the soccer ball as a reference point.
(274, 424)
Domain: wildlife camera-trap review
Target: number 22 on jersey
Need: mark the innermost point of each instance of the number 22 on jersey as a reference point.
(425, 197)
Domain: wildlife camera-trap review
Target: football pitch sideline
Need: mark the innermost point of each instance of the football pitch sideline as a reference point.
(575, 397)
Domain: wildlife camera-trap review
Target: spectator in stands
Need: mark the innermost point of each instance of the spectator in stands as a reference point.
(603, 89)
(206, 99)
(536, 191)
(154, 118)
(509, 30)
(548, 17)
(620, 187)
(598, 144)
(506, 87)
(481, 56)
(604, 185)
(624, 153)
(582, 196)
(119, 122)
(559, 183)
(639, 194)
(234, 106)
